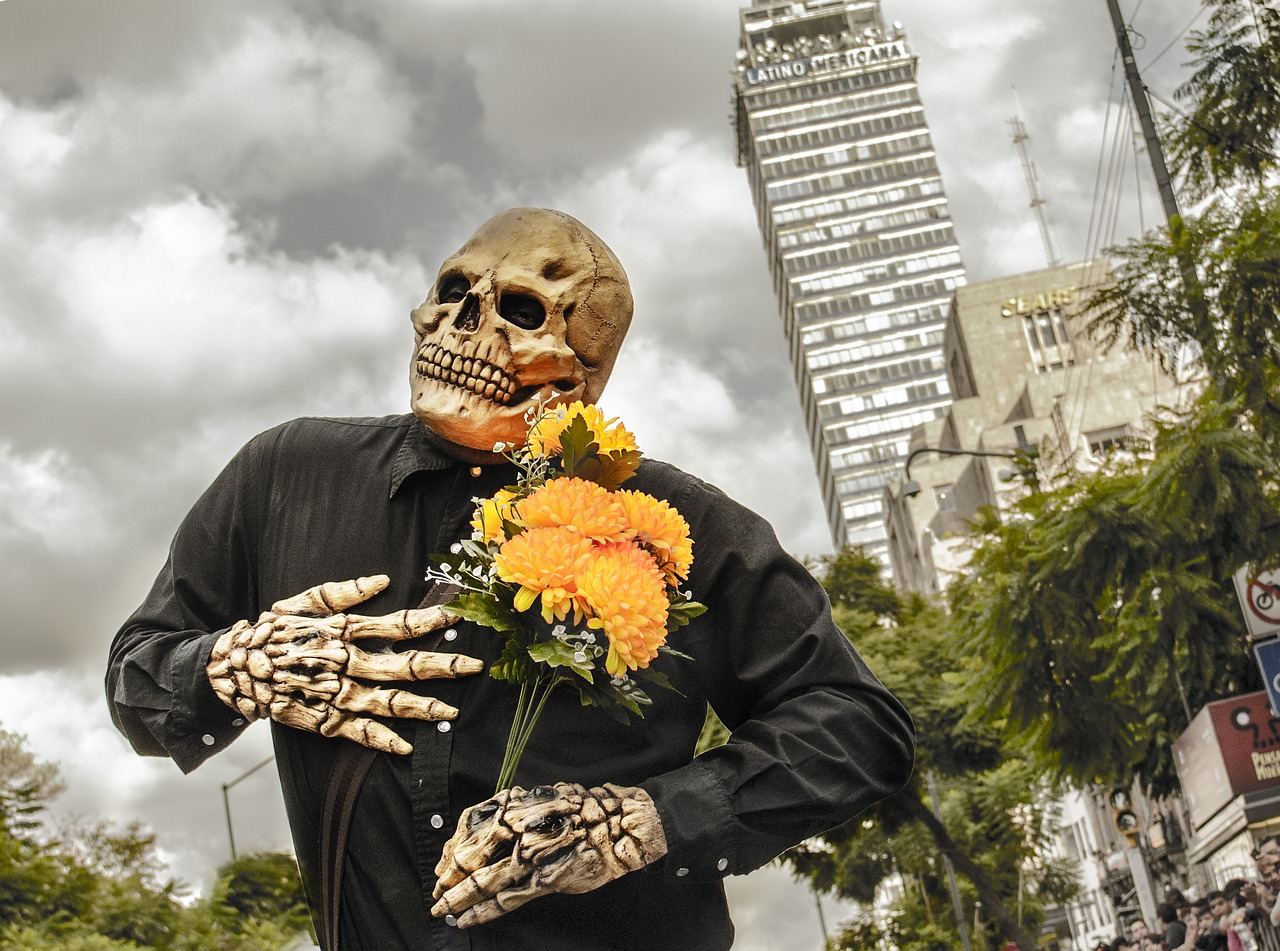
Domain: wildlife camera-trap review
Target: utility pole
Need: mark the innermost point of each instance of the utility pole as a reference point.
(1155, 151)
(961, 925)
(1020, 138)
(1142, 107)
(226, 801)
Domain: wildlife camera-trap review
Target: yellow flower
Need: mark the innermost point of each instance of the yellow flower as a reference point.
(661, 530)
(626, 598)
(575, 504)
(490, 515)
(612, 436)
(545, 563)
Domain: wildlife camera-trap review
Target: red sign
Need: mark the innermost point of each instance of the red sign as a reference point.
(1238, 737)
(1249, 736)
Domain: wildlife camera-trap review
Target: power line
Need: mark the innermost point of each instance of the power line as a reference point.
(1190, 23)
(1255, 147)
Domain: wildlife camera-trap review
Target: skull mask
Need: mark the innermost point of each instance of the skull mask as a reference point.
(531, 311)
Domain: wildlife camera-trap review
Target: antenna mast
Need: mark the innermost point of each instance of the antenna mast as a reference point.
(1020, 138)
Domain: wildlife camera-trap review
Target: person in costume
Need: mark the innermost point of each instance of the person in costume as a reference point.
(388, 744)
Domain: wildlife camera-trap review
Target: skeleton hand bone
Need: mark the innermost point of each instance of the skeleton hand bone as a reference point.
(297, 662)
(521, 844)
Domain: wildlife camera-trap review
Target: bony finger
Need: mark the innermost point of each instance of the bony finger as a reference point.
(332, 597)
(368, 733)
(357, 698)
(399, 626)
(497, 906)
(411, 665)
(480, 887)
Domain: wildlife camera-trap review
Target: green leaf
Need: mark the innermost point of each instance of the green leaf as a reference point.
(609, 470)
(475, 550)
(589, 468)
(613, 701)
(608, 704)
(682, 612)
(555, 653)
(666, 649)
(483, 610)
(656, 677)
(576, 444)
(512, 665)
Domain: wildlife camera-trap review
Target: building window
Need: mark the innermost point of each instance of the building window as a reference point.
(1046, 334)
(1103, 441)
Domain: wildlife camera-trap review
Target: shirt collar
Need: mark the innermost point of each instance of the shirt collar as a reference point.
(417, 454)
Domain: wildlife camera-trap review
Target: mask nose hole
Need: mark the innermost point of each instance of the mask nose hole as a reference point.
(468, 319)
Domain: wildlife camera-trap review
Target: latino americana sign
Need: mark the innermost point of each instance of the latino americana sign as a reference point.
(825, 63)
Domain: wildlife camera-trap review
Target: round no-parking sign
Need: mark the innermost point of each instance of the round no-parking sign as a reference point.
(1259, 592)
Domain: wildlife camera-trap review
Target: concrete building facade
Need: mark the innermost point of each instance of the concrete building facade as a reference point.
(860, 243)
(1025, 376)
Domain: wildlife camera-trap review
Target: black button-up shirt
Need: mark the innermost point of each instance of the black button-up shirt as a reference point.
(816, 738)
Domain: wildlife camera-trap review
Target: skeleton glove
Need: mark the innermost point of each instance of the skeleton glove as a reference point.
(297, 665)
(522, 844)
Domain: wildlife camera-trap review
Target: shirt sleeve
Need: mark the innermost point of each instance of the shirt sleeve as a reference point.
(157, 689)
(815, 737)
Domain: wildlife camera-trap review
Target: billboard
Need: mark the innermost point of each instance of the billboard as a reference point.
(1232, 747)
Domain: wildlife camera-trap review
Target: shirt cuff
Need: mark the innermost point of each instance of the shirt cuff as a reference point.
(200, 723)
(697, 822)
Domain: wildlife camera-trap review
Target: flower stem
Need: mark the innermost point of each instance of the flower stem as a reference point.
(533, 699)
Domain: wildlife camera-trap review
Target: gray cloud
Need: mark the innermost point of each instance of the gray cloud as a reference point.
(218, 214)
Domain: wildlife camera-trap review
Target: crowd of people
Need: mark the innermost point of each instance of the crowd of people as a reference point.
(1241, 916)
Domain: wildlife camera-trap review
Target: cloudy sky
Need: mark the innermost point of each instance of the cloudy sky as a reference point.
(215, 215)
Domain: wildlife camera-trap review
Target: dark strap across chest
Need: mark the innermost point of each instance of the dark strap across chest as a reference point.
(350, 768)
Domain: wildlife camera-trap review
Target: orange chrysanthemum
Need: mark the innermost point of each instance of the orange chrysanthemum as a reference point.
(611, 435)
(545, 563)
(661, 530)
(624, 592)
(577, 505)
(490, 515)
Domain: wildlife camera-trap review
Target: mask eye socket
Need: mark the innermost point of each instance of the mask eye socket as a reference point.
(452, 289)
(523, 311)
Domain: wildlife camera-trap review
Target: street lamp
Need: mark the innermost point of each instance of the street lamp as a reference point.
(1024, 459)
(226, 800)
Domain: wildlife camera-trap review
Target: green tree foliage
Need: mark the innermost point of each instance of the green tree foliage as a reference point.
(1234, 94)
(996, 814)
(100, 887)
(1101, 613)
(1230, 316)
(26, 784)
(263, 885)
(853, 583)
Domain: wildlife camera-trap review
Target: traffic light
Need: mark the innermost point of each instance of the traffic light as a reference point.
(1122, 814)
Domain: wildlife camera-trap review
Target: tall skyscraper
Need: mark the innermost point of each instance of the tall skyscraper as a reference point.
(860, 242)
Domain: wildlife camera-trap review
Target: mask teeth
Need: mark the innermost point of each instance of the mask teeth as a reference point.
(468, 373)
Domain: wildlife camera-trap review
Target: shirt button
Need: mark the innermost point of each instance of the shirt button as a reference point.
(722, 864)
(437, 822)
(451, 635)
(237, 722)
(208, 739)
(681, 872)
(444, 726)
(451, 920)
(476, 470)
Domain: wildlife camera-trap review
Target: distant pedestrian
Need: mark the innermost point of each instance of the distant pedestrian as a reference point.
(1210, 938)
(1174, 930)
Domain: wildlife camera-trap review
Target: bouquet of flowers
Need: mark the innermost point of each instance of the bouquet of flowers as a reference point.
(580, 576)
